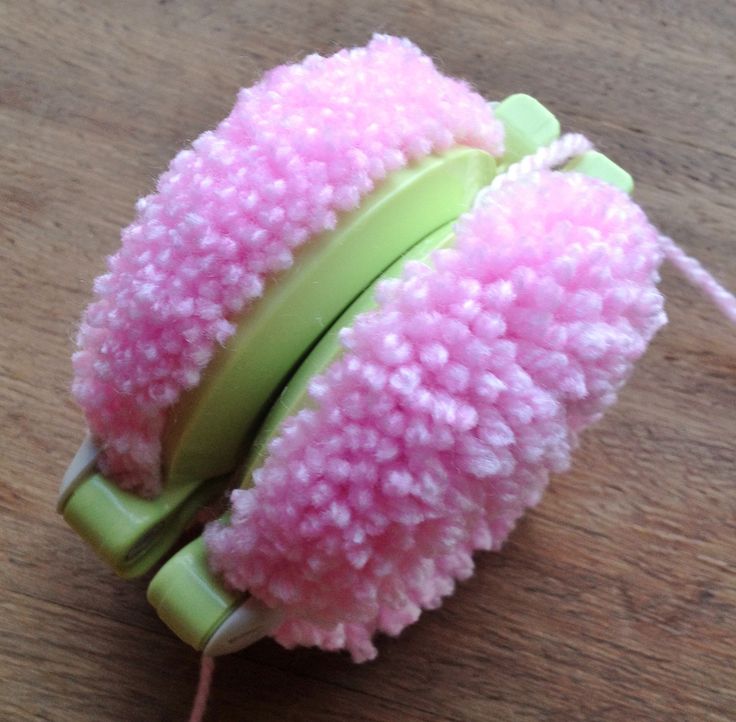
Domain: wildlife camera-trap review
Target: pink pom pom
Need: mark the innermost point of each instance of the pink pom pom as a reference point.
(307, 142)
(452, 403)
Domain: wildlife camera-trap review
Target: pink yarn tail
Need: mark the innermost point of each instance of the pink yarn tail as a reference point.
(549, 156)
(206, 670)
(694, 272)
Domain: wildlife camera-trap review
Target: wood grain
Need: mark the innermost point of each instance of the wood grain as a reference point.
(614, 600)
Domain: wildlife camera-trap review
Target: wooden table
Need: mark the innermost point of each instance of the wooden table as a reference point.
(614, 600)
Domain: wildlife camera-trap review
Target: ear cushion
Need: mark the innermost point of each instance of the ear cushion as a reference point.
(304, 144)
(452, 402)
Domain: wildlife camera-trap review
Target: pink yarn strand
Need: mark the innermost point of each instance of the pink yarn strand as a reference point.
(206, 670)
(553, 155)
(694, 272)
(549, 156)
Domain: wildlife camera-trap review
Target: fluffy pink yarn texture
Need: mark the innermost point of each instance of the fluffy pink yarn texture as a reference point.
(304, 144)
(449, 407)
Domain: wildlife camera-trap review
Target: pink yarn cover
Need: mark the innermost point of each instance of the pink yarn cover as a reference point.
(451, 404)
(304, 144)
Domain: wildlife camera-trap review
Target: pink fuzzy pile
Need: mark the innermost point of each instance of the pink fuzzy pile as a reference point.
(452, 403)
(304, 144)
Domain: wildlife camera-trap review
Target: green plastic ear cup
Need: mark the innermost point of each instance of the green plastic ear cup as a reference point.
(209, 428)
(194, 613)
